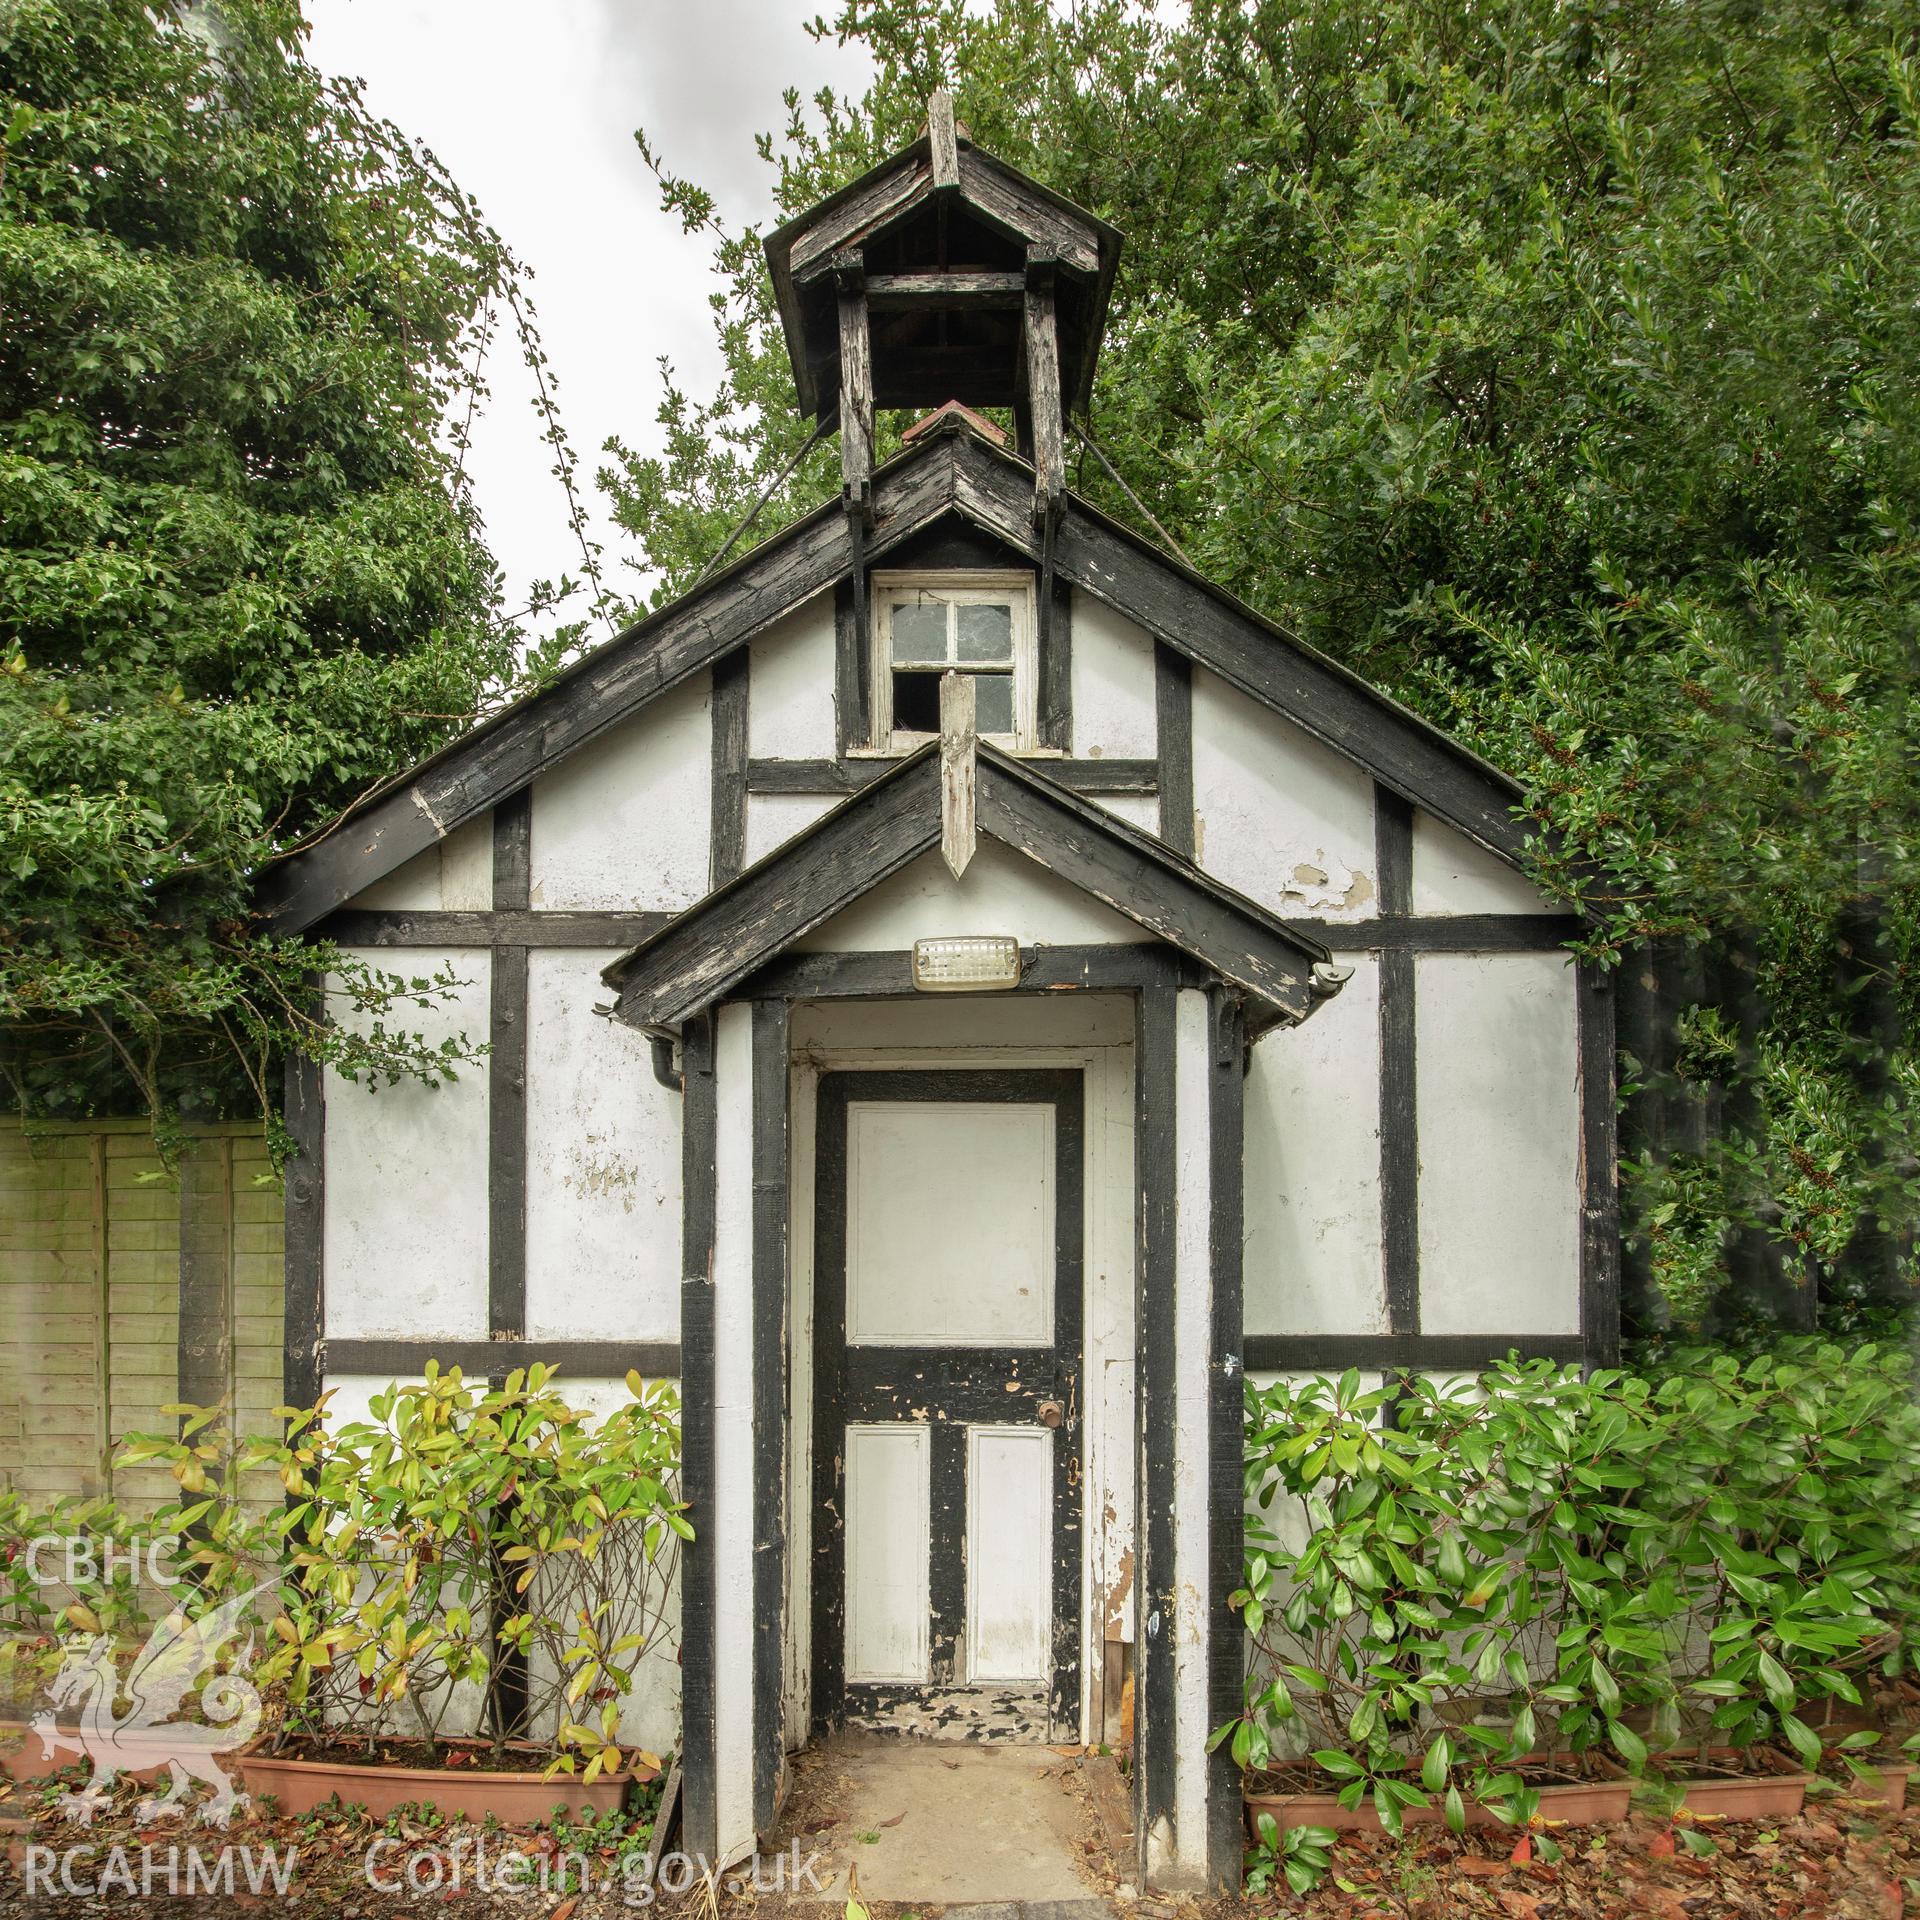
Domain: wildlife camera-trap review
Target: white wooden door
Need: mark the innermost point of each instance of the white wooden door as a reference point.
(947, 1314)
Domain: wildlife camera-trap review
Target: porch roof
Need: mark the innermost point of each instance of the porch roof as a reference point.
(700, 957)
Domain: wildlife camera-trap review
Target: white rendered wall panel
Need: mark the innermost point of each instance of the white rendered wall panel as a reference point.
(1140, 810)
(1113, 697)
(1283, 819)
(774, 818)
(624, 822)
(453, 874)
(603, 1165)
(406, 1187)
(1000, 892)
(1453, 875)
(1499, 1121)
(1009, 1553)
(790, 686)
(887, 1490)
(1313, 1248)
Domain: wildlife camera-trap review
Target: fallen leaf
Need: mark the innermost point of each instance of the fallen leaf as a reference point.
(1480, 1866)
(564, 1908)
(1661, 1846)
(894, 1822)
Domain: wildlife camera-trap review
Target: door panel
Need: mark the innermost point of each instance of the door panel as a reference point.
(967, 1186)
(887, 1487)
(949, 1221)
(1009, 1553)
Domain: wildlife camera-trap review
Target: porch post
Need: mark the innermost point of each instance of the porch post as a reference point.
(1188, 1532)
(733, 1340)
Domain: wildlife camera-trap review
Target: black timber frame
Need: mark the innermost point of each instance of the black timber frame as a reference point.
(1156, 1166)
(948, 471)
(699, 1145)
(772, 1370)
(959, 1386)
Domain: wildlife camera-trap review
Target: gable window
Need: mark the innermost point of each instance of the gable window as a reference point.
(927, 625)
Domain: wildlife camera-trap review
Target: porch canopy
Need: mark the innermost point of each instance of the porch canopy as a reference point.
(1211, 971)
(706, 954)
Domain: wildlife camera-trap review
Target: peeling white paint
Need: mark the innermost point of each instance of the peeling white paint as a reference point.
(603, 1165)
(1282, 818)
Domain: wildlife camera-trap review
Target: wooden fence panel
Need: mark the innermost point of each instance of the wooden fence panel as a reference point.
(97, 1242)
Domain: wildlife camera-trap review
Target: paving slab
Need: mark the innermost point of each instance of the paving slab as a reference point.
(979, 1830)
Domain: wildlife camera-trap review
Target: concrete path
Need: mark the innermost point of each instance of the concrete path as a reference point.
(951, 1825)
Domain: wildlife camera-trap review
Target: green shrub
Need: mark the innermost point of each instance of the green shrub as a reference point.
(1534, 1560)
(456, 1525)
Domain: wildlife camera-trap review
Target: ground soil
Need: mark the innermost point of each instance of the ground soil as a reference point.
(1839, 1861)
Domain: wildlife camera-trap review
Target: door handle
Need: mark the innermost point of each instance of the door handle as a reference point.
(1049, 1413)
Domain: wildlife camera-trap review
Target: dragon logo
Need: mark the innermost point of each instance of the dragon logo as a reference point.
(178, 1655)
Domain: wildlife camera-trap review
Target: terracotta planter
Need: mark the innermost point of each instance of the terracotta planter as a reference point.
(1578, 1803)
(22, 1757)
(1754, 1796)
(1888, 1789)
(514, 1799)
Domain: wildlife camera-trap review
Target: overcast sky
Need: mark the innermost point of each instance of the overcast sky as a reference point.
(532, 109)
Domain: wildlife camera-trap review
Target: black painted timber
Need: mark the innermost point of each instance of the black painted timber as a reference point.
(699, 1753)
(516, 927)
(1155, 1163)
(1599, 1168)
(771, 1363)
(851, 776)
(1399, 1118)
(1226, 1427)
(1445, 932)
(1403, 1352)
(406, 1359)
(729, 813)
(1054, 702)
(507, 1081)
(852, 680)
(888, 974)
(1173, 723)
(305, 1230)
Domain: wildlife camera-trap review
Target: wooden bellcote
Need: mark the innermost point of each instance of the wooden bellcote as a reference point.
(942, 275)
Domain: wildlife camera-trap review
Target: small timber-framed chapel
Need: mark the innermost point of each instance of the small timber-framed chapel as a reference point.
(963, 992)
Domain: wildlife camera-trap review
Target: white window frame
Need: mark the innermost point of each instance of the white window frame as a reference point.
(973, 586)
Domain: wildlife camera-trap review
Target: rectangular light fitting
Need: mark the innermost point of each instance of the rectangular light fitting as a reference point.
(970, 963)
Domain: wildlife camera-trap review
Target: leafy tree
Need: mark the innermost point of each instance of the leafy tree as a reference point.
(241, 579)
(1557, 366)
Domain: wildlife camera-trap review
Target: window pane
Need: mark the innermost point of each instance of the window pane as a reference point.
(920, 632)
(916, 702)
(993, 703)
(986, 633)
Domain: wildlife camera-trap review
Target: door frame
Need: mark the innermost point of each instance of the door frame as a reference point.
(982, 1388)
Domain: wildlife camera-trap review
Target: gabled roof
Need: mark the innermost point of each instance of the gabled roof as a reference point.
(950, 471)
(979, 208)
(737, 929)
